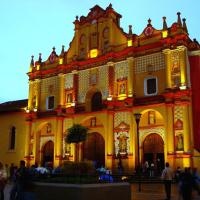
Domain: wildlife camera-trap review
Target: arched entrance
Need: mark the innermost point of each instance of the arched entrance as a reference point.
(153, 150)
(94, 149)
(96, 101)
(48, 154)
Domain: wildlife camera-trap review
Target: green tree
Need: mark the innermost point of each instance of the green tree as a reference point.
(76, 134)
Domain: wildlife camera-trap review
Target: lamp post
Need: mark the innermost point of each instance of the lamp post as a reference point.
(137, 120)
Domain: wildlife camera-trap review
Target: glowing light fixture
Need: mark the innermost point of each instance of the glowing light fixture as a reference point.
(164, 34)
(130, 43)
(182, 87)
(35, 109)
(38, 67)
(73, 104)
(27, 110)
(130, 95)
(122, 96)
(93, 53)
(60, 61)
(109, 98)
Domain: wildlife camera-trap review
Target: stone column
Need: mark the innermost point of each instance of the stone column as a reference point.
(186, 136)
(75, 86)
(111, 78)
(132, 143)
(28, 141)
(38, 93)
(182, 58)
(30, 95)
(61, 89)
(169, 139)
(130, 76)
(58, 141)
(109, 149)
(186, 130)
(167, 53)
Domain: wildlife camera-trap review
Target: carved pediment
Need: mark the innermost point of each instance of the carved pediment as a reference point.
(97, 12)
(178, 124)
(122, 126)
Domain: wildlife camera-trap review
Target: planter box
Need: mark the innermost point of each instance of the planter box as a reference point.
(102, 191)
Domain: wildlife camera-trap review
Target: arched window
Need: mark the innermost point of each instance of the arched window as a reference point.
(12, 138)
(96, 101)
(150, 86)
(50, 101)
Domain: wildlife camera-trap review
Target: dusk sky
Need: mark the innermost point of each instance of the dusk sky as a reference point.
(30, 27)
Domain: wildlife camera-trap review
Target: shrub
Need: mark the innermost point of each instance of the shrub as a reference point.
(78, 168)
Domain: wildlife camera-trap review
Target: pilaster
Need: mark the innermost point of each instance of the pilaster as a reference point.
(58, 141)
(168, 67)
(130, 76)
(183, 69)
(110, 141)
(61, 88)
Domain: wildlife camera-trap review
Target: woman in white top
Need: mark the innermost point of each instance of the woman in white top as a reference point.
(167, 176)
(3, 177)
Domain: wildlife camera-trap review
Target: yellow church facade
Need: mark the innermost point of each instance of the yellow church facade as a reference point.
(104, 79)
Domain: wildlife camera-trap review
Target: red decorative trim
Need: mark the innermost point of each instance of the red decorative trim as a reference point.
(70, 93)
(70, 110)
(122, 127)
(79, 65)
(109, 156)
(151, 126)
(28, 158)
(58, 157)
(183, 155)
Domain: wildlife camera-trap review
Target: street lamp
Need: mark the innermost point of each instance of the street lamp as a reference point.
(137, 120)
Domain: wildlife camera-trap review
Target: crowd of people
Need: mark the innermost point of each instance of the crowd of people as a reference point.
(21, 178)
(149, 169)
(187, 180)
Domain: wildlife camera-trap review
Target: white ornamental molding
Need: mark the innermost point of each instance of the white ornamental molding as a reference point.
(143, 133)
(122, 117)
(83, 85)
(69, 81)
(156, 60)
(121, 70)
(45, 139)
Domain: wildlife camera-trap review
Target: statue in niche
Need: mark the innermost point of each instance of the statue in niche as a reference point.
(93, 78)
(69, 98)
(175, 63)
(48, 128)
(122, 89)
(123, 143)
(151, 117)
(34, 101)
(179, 142)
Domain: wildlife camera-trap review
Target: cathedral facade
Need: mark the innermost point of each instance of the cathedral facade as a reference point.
(104, 81)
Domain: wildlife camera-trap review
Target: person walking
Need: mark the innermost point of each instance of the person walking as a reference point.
(3, 179)
(152, 168)
(186, 184)
(196, 180)
(22, 179)
(167, 176)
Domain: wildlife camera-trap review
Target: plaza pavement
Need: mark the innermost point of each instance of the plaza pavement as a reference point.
(155, 191)
(149, 191)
